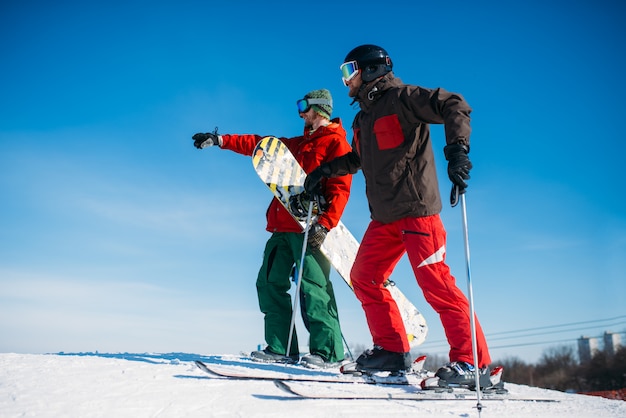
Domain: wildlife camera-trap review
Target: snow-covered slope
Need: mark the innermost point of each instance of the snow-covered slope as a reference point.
(170, 385)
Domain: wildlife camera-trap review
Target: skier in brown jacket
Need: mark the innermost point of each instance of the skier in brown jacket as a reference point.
(392, 146)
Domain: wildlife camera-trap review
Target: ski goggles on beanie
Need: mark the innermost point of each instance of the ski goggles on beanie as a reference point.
(348, 71)
(305, 104)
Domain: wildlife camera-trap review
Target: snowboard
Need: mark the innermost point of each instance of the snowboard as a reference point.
(283, 175)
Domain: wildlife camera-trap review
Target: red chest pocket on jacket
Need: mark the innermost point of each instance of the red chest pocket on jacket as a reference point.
(388, 132)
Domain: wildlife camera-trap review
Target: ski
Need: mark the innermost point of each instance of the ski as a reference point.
(333, 390)
(489, 382)
(331, 384)
(267, 371)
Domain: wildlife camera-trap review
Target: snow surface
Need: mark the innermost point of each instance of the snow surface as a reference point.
(170, 385)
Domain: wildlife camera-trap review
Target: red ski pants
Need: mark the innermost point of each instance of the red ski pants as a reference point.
(424, 241)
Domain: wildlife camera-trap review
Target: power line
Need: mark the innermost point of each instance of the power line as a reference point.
(559, 326)
(443, 343)
(441, 348)
(552, 332)
(546, 342)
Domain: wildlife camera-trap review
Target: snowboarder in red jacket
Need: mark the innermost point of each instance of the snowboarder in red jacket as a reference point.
(323, 140)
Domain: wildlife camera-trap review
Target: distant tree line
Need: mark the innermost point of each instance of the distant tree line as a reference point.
(559, 369)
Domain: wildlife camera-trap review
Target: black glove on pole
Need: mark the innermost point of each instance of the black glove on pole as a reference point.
(317, 234)
(459, 167)
(314, 178)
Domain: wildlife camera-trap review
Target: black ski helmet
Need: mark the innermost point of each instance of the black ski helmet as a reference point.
(372, 60)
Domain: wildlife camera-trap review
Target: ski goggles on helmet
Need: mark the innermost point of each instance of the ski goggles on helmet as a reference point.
(348, 71)
(305, 104)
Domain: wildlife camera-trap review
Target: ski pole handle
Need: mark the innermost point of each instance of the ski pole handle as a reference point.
(454, 195)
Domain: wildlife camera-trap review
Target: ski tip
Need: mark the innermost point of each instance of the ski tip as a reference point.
(496, 375)
(201, 366)
(430, 383)
(284, 386)
(349, 368)
(420, 359)
(418, 364)
(497, 370)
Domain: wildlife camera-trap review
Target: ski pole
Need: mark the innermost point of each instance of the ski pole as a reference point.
(453, 200)
(303, 311)
(347, 347)
(299, 280)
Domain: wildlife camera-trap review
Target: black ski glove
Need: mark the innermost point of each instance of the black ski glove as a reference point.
(459, 165)
(317, 234)
(299, 205)
(206, 140)
(312, 181)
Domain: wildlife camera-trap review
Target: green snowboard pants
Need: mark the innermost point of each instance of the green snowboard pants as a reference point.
(282, 250)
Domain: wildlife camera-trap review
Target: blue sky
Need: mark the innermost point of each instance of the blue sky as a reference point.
(118, 235)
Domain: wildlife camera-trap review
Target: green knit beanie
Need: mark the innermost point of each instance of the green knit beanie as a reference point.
(324, 110)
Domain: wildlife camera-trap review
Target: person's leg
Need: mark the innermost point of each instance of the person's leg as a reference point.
(425, 240)
(273, 293)
(379, 252)
(319, 304)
